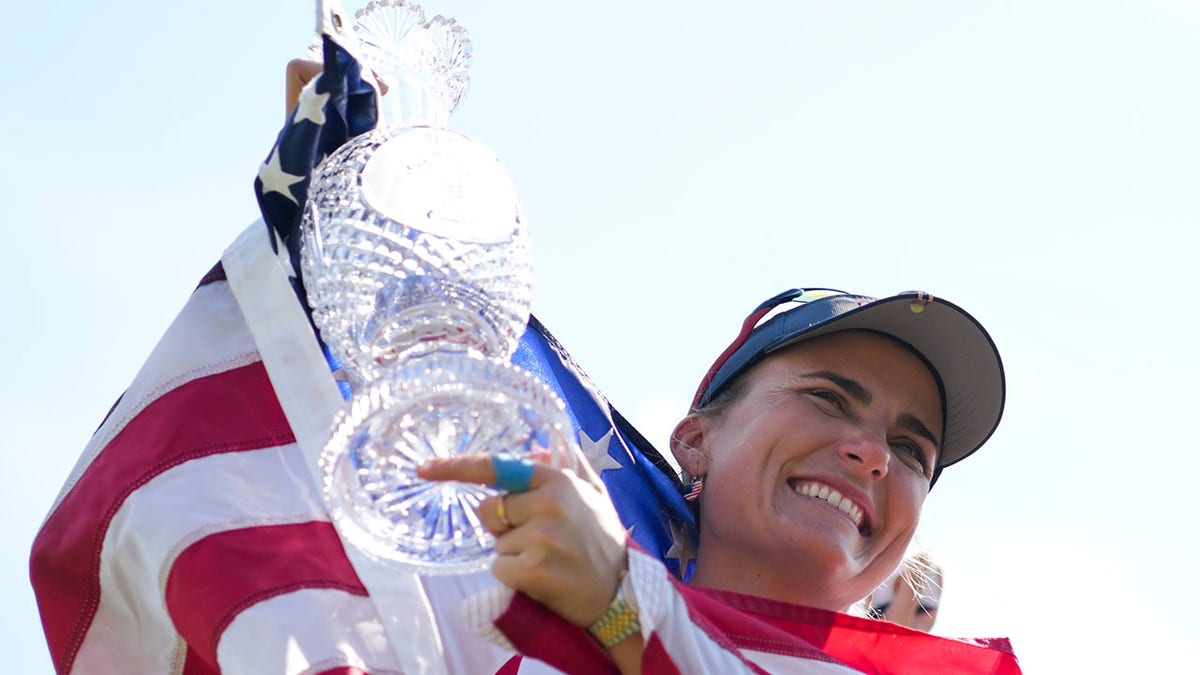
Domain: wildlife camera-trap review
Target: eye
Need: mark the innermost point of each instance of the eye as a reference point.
(912, 453)
(830, 398)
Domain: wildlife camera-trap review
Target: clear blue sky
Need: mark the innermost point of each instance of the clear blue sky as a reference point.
(1035, 161)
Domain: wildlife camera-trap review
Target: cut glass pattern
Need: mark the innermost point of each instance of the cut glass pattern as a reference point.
(437, 406)
(418, 269)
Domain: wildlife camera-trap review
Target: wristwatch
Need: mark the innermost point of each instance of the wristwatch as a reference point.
(619, 622)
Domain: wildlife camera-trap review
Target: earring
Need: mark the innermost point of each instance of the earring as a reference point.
(697, 487)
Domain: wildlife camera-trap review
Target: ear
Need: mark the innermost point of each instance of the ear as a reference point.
(687, 442)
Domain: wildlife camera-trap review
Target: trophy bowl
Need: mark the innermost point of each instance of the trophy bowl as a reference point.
(444, 405)
(413, 243)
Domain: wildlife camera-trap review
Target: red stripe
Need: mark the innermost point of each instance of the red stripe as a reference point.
(222, 574)
(510, 667)
(655, 658)
(193, 664)
(732, 621)
(343, 670)
(217, 273)
(228, 412)
(866, 645)
(542, 634)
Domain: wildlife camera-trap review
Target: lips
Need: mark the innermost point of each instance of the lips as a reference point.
(853, 511)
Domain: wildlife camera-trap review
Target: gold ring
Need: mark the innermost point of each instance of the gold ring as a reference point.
(502, 513)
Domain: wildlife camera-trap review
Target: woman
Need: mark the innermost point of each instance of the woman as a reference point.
(910, 596)
(813, 441)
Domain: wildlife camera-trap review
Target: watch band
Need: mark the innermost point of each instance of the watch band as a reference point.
(618, 623)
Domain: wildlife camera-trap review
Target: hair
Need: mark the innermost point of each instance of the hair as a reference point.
(919, 573)
(724, 398)
(714, 408)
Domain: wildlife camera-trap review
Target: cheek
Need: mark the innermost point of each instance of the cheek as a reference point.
(728, 448)
(730, 485)
(727, 478)
(904, 507)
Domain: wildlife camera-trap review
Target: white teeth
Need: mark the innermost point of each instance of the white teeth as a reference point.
(834, 498)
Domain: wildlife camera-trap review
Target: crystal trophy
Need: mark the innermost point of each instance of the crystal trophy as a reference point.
(418, 268)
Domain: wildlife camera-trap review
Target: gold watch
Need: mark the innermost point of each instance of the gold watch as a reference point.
(618, 623)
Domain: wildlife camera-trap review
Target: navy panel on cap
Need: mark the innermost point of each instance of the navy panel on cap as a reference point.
(951, 341)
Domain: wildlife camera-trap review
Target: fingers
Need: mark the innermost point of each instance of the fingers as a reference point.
(551, 568)
(302, 71)
(383, 88)
(561, 541)
(299, 73)
(496, 515)
(514, 474)
(504, 513)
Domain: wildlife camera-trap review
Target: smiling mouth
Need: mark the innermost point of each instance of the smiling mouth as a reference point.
(837, 500)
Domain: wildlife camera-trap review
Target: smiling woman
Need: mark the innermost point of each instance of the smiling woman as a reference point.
(809, 451)
(816, 470)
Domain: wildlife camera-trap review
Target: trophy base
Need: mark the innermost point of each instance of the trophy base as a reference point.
(440, 405)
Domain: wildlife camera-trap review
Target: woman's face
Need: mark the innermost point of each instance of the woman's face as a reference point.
(816, 473)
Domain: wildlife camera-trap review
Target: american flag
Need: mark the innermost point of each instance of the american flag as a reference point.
(191, 536)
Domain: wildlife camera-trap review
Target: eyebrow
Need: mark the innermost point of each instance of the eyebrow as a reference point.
(918, 427)
(864, 396)
(852, 387)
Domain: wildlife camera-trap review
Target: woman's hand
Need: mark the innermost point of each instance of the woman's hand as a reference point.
(560, 542)
(299, 73)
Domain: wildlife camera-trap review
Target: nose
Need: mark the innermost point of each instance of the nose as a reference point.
(867, 457)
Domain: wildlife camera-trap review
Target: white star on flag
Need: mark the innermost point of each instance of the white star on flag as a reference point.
(275, 179)
(311, 106)
(597, 452)
(682, 548)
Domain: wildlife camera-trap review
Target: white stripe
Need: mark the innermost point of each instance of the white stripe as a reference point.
(535, 667)
(481, 611)
(310, 398)
(131, 631)
(305, 632)
(282, 334)
(207, 337)
(663, 612)
(466, 650)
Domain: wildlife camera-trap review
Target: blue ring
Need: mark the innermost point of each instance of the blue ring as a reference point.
(512, 473)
